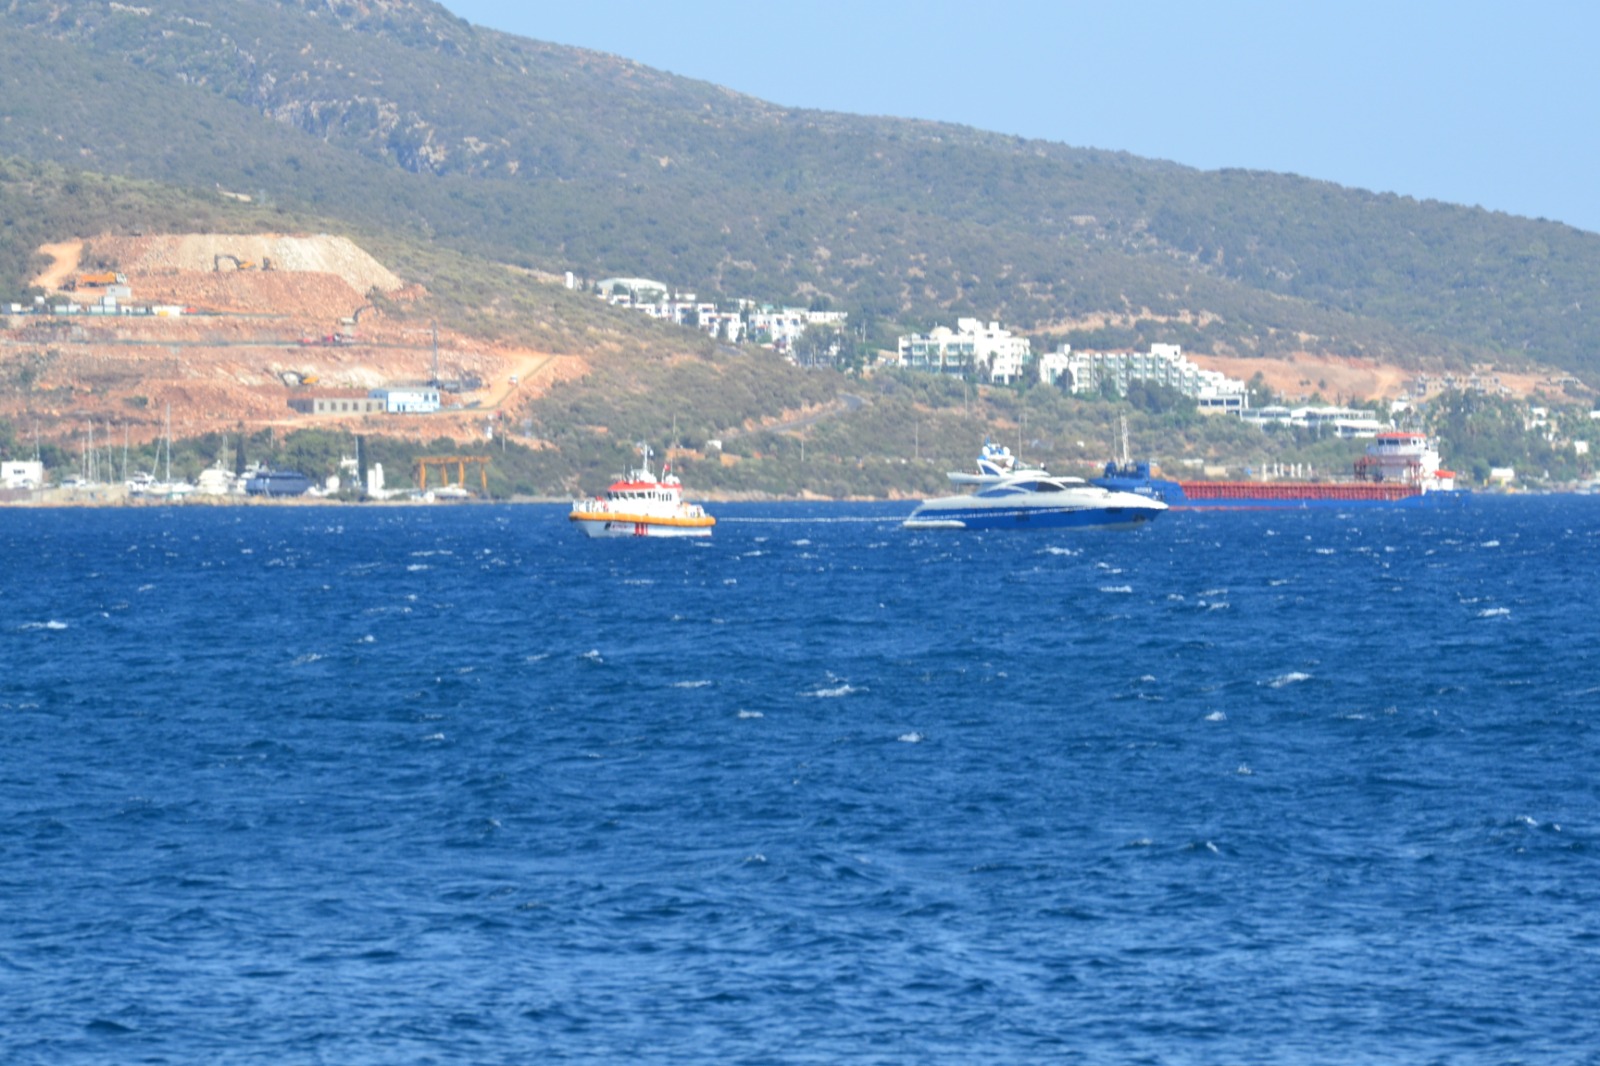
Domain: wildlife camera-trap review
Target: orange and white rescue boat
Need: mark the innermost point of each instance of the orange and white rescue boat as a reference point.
(642, 505)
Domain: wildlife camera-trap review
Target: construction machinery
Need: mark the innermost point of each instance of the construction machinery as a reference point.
(96, 281)
(239, 264)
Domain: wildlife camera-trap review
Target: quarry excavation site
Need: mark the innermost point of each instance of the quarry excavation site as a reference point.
(226, 329)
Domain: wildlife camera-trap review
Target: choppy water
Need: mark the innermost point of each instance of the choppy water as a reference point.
(455, 785)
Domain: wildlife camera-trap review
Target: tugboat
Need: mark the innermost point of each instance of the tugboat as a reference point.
(641, 505)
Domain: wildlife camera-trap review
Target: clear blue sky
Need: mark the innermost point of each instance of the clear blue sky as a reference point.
(1490, 104)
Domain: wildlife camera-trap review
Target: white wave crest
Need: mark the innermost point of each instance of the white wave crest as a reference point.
(690, 684)
(910, 738)
(751, 714)
(1494, 612)
(1216, 716)
(1116, 588)
(51, 624)
(1293, 677)
(832, 693)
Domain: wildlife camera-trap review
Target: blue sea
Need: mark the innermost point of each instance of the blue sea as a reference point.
(357, 785)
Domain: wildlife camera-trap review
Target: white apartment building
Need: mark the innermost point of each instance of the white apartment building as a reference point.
(972, 347)
(1053, 364)
(1163, 364)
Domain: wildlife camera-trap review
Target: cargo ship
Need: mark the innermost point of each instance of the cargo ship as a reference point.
(1400, 469)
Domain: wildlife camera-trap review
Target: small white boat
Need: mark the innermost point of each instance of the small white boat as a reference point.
(642, 505)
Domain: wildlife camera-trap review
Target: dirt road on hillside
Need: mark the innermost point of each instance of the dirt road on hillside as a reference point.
(67, 256)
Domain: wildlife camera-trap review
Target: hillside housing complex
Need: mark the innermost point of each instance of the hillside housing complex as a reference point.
(975, 348)
(986, 351)
(780, 327)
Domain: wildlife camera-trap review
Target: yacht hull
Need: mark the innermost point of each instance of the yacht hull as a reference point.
(960, 512)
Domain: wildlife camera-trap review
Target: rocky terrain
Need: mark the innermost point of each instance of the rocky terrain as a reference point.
(247, 340)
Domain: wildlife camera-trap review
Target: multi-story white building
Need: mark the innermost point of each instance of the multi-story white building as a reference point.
(1163, 364)
(1054, 364)
(971, 348)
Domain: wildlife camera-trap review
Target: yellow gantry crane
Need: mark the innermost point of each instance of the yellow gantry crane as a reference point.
(445, 462)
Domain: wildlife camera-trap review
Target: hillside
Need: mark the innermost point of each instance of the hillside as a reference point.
(236, 345)
(395, 116)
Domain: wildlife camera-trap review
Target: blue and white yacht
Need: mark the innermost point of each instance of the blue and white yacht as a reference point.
(1031, 498)
(995, 464)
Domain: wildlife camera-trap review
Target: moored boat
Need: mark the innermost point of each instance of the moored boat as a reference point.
(267, 482)
(640, 504)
